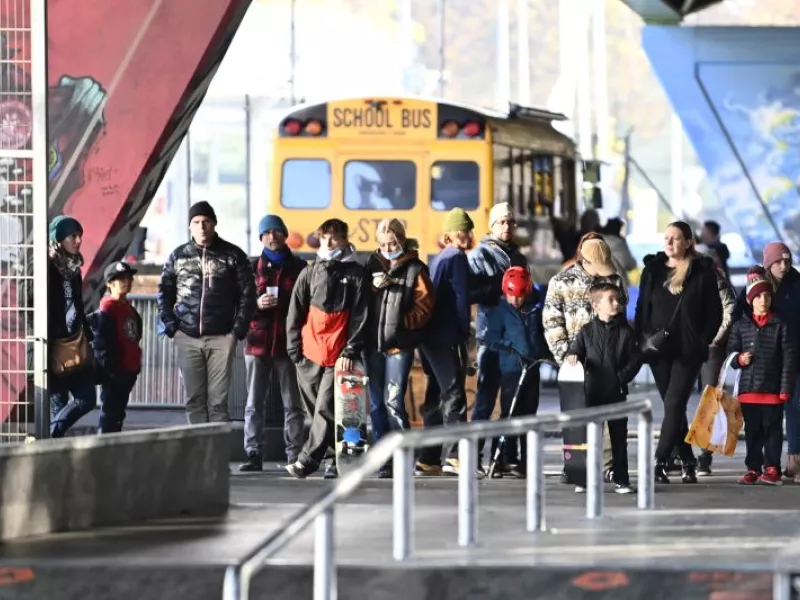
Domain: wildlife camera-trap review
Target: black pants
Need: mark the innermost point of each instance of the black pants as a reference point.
(675, 381)
(445, 397)
(316, 388)
(114, 396)
(763, 433)
(618, 438)
(527, 404)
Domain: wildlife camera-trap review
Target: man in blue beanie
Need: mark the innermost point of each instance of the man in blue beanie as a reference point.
(266, 360)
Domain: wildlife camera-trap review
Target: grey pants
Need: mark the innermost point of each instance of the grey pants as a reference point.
(262, 374)
(205, 364)
(316, 387)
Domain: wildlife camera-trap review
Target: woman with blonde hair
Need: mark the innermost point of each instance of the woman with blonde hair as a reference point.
(678, 315)
(401, 305)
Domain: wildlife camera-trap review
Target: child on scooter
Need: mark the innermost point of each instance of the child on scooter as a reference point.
(514, 330)
(607, 347)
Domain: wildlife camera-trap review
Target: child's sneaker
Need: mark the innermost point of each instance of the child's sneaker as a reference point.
(622, 488)
(750, 478)
(332, 472)
(425, 470)
(579, 489)
(771, 477)
(297, 470)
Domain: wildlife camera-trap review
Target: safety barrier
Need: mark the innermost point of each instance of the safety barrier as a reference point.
(400, 448)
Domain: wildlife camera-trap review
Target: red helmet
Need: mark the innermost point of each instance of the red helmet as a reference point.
(516, 282)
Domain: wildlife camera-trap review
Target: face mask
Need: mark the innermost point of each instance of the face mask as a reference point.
(324, 254)
(392, 255)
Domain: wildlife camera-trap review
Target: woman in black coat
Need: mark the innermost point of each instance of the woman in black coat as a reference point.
(678, 294)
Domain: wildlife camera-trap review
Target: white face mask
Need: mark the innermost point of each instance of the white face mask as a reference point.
(325, 254)
(392, 255)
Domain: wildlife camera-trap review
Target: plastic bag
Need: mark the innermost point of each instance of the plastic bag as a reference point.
(719, 428)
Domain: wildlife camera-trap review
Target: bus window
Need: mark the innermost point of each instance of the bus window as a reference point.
(380, 184)
(306, 183)
(455, 183)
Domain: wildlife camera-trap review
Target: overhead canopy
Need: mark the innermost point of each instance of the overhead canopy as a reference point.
(668, 11)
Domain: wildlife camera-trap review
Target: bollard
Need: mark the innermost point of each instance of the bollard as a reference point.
(403, 492)
(467, 492)
(646, 495)
(535, 488)
(594, 471)
(324, 559)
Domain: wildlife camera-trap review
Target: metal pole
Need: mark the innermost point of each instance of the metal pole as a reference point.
(535, 492)
(403, 492)
(600, 79)
(594, 471)
(324, 560)
(442, 58)
(781, 586)
(292, 53)
(467, 492)
(523, 55)
(40, 218)
(503, 57)
(233, 586)
(645, 496)
(248, 125)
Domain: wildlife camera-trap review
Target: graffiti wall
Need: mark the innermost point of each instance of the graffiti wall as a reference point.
(124, 81)
(737, 92)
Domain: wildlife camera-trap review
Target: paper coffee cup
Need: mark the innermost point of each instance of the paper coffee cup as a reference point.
(272, 291)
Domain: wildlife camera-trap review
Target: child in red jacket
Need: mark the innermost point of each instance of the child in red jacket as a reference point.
(766, 354)
(117, 329)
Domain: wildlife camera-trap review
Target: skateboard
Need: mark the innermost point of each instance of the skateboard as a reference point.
(573, 396)
(350, 415)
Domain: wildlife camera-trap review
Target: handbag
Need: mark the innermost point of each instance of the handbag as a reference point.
(70, 354)
(656, 342)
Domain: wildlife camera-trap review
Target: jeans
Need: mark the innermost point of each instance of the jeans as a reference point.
(445, 397)
(489, 383)
(114, 396)
(262, 373)
(675, 381)
(64, 413)
(388, 381)
(793, 420)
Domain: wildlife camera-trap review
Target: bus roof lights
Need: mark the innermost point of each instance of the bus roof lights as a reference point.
(471, 129)
(449, 129)
(314, 127)
(292, 126)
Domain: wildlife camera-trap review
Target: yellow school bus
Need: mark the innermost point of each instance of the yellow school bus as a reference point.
(366, 159)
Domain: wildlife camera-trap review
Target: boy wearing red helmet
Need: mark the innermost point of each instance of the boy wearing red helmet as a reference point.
(514, 331)
(607, 347)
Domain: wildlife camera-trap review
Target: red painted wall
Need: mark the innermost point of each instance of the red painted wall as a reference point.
(125, 77)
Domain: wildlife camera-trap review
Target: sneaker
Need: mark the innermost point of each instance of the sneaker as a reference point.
(771, 477)
(385, 472)
(579, 489)
(704, 465)
(519, 471)
(297, 470)
(689, 474)
(253, 464)
(332, 472)
(451, 467)
(750, 478)
(621, 488)
(425, 470)
(608, 475)
(661, 474)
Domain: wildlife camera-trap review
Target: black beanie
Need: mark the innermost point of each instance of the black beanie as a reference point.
(202, 209)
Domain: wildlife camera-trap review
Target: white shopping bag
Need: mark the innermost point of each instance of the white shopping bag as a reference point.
(571, 374)
(719, 429)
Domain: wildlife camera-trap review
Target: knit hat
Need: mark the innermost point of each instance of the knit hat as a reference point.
(597, 254)
(271, 223)
(62, 227)
(516, 282)
(501, 211)
(775, 252)
(202, 209)
(757, 283)
(457, 220)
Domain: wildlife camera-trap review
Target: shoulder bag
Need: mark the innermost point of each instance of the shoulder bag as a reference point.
(655, 343)
(70, 354)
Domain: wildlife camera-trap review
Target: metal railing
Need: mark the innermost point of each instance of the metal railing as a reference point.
(400, 448)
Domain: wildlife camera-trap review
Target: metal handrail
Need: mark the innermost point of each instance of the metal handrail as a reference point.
(400, 448)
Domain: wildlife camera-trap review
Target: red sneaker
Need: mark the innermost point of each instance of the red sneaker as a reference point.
(750, 478)
(772, 476)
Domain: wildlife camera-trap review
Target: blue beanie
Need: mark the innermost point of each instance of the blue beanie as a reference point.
(62, 227)
(271, 223)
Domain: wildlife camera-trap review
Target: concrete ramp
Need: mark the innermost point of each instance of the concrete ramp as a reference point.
(79, 483)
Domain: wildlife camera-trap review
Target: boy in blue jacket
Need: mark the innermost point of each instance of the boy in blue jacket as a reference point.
(513, 331)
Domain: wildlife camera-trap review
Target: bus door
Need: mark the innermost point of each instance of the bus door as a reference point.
(378, 185)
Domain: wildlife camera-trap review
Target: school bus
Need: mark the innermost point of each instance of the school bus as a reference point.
(366, 159)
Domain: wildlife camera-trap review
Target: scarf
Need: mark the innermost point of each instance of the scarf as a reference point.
(276, 258)
(68, 265)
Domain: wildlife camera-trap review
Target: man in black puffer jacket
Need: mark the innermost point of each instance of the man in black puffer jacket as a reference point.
(206, 298)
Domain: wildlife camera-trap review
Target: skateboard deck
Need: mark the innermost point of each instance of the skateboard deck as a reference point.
(573, 396)
(350, 414)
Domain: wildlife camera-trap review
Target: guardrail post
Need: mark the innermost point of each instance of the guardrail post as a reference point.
(233, 588)
(467, 492)
(535, 493)
(324, 559)
(594, 471)
(645, 496)
(781, 586)
(403, 492)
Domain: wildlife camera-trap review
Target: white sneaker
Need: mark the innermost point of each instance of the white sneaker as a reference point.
(579, 489)
(623, 489)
